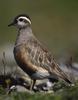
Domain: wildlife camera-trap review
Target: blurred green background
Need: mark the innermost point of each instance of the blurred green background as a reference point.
(54, 22)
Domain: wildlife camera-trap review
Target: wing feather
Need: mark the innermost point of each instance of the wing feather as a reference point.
(40, 57)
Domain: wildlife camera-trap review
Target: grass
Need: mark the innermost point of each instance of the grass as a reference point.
(67, 93)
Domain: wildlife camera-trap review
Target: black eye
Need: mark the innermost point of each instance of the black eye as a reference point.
(20, 19)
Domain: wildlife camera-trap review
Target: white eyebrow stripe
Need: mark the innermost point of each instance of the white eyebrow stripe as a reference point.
(25, 19)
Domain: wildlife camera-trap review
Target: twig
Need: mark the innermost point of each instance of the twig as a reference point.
(4, 63)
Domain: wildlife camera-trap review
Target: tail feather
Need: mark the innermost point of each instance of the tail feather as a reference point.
(60, 73)
(68, 81)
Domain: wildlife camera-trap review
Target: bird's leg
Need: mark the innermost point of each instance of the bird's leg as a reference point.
(32, 84)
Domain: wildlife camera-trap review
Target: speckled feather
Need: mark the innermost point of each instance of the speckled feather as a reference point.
(41, 57)
(38, 55)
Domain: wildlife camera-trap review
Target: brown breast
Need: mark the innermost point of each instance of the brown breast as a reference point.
(23, 60)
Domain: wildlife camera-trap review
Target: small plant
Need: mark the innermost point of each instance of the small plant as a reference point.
(7, 80)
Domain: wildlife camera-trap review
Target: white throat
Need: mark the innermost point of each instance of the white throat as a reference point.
(23, 36)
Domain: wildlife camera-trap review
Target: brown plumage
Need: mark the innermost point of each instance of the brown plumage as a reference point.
(31, 56)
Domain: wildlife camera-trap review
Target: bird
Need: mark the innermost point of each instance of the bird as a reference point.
(32, 56)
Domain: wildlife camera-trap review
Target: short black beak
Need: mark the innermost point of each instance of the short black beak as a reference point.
(11, 24)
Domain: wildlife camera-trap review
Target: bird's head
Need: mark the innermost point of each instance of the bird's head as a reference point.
(21, 21)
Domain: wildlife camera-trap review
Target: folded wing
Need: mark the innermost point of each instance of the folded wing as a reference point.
(40, 57)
